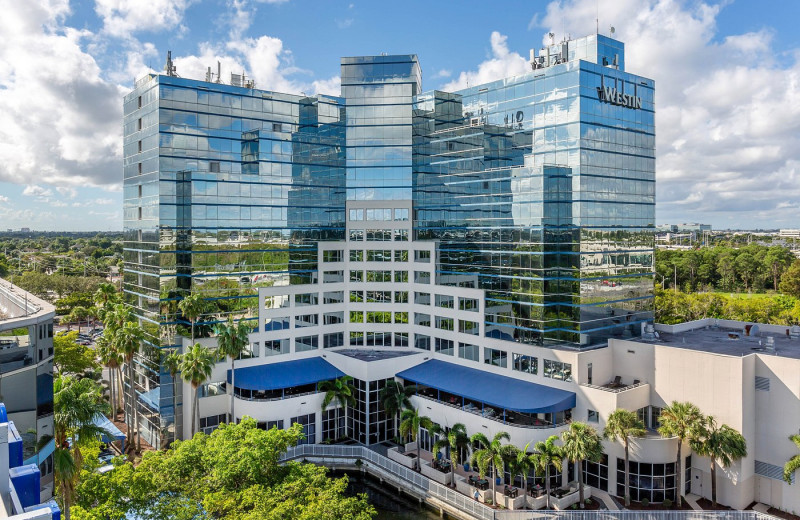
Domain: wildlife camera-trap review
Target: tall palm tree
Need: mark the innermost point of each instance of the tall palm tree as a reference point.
(679, 420)
(104, 298)
(76, 405)
(192, 307)
(581, 442)
(127, 339)
(232, 341)
(411, 422)
(519, 463)
(341, 391)
(546, 454)
(455, 440)
(172, 363)
(621, 426)
(195, 368)
(721, 444)
(111, 358)
(489, 454)
(792, 464)
(395, 398)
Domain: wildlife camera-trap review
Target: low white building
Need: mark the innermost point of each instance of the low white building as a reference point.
(376, 314)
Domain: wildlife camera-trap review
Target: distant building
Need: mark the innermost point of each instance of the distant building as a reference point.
(789, 233)
(693, 227)
(25, 230)
(26, 370)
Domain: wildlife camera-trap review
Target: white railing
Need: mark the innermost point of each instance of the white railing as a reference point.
(496, 417)
(411, 479)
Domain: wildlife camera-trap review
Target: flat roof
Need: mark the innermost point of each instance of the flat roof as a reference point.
(728, 341)
(374, 355)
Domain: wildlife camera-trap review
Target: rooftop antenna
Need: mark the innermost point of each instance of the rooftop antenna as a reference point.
(597, 19)
(219, 72)
(552, 38)
(170, 67)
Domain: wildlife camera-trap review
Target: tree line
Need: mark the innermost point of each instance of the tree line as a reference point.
(673, 307)
(752, 268)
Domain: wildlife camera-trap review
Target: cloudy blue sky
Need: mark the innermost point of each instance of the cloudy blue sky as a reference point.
(727, 76)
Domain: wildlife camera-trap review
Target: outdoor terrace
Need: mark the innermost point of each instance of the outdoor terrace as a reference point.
(501, 415)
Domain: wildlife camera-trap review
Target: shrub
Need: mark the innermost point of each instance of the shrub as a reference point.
(667, 503)
(587, 501)
(645, 502)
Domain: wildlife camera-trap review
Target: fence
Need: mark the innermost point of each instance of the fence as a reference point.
(405, 477)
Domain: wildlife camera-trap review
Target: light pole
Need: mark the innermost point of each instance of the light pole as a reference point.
(675, 286)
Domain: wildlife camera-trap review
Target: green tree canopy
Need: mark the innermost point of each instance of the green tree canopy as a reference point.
(233, 473)
(70, 357)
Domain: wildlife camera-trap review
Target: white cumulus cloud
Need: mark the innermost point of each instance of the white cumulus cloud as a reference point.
(501, 64)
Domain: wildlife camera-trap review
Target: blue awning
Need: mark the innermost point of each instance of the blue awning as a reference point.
(104, 422)
(285, 375)
(490, 388)
(151, 398)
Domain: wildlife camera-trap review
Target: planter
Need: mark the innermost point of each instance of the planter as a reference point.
(410, 446)
(436, 475)
(508, 502)
(537, 502)
(466, 467)
(573, 497)
(400, 458)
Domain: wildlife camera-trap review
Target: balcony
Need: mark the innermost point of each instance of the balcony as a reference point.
(507, 417)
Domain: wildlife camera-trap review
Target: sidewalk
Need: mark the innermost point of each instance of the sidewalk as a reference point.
(692, 499)
(605, 498)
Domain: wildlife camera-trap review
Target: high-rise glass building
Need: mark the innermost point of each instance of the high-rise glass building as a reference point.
(534, 192)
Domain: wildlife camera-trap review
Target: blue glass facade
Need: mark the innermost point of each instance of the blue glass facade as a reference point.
(538, 188)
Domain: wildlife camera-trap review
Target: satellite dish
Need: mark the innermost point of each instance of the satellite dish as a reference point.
(613, 30)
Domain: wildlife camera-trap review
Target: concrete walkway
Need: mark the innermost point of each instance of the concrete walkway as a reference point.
(761, 508)
(605, 498)
(692, 499)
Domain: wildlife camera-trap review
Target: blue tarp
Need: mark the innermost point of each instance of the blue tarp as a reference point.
(285, 375)
(489, 388)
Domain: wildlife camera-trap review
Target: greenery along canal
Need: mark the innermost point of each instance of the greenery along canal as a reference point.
(391, 504)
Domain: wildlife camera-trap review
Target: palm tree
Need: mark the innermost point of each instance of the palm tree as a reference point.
(519, 463)
(621, 426)
(490, 454)
(792, 464)
(127, 340)
(718, 443)
(192, 307)
(78, 314)
(195, 368)
(341, 391)
(105, 297)
(546, 454)
(581, 442)
(395, 398)
(77, 403)
(679, 420)
(111, 358)
(232, 341)
(455, 440)
(172, 363)
(411, 422)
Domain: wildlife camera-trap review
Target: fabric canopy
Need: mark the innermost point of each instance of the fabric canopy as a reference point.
(274, 376)
(490, 388)
(104, 422)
